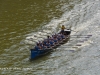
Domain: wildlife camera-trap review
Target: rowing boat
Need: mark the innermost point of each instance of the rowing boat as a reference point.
(36, 53)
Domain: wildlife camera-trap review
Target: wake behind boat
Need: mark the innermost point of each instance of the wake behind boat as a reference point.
(49, 44)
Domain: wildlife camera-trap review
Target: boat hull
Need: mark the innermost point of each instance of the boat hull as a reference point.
(37, 53)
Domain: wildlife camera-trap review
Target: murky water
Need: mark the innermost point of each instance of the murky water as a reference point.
(21, 19)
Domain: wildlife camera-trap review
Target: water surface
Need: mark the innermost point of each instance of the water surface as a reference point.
(21, 19)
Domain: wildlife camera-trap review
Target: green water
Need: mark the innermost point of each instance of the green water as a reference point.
(20, 17)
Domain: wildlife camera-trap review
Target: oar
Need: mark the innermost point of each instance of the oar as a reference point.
(79, 40)
(65, 50)
(68, 49)
(66, 46)
(73, 30)
(81, 35)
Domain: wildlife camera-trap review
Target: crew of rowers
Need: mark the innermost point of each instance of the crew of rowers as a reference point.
(51, 41)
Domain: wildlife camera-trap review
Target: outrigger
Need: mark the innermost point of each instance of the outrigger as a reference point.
(38, 52)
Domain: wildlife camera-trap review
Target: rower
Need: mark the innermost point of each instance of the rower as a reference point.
(37, 47)
(55, 40)
(59, 37)
(48, 44)
(62, 36)
(51, 42)
(43, 46)
(40, 43)
(45, 41)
